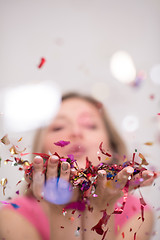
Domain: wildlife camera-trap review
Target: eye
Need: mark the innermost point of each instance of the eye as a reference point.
(57, 128)
(92, 126)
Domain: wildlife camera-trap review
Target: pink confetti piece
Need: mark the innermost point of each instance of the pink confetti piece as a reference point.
(62, 143)
(4, 202)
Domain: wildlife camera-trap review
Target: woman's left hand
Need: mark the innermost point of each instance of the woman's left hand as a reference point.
(109, 191)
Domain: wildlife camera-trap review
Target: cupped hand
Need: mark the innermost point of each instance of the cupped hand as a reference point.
(109, 191)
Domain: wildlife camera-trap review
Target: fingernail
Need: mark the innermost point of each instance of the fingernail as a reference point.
(53, 159)
(38, 159)
(64, 166)
(102, 175)
(130, 170)
(151, 174)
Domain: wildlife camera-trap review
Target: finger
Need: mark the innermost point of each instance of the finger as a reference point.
(65, 171)
(38, 177)
(52, 167)
(101, 182)
(148, 178)
(122, 177)
(141, 179)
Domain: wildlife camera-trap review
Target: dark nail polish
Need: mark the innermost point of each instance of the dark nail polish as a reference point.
(64, 166)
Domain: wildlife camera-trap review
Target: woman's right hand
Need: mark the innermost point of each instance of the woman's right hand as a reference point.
(38, 178)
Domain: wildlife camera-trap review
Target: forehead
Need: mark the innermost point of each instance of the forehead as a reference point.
(78, 107)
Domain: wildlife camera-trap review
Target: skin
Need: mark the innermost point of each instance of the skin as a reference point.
(79, 122)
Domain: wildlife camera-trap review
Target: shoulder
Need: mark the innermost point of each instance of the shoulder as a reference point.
(21, 217)
(15, 226)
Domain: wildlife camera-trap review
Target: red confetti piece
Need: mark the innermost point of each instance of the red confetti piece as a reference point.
(104, 234)
(43, 60)
(142, 201)
(8, 160)
(142, 212)
(103, 151)
(158, 114)
(18, 182)
(123, 234)
(135, 235)
(152, 96)
(133, 158)
(103, 220)
(62, 143)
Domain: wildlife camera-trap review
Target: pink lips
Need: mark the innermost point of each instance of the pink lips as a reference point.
(77, 150)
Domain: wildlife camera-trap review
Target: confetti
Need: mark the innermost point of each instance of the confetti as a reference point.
(144, 162)
(3, 183)
(148, 143)
(43, 60)
(102, 150)
(102, 221)
(84, 179)
(13, 150)
(20, 139)
(5, 140)
(15, 205)
(62, 143)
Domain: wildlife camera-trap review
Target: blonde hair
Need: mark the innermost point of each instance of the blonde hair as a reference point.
(116, 142)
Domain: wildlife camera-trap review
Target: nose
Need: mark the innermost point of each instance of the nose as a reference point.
(76, 132)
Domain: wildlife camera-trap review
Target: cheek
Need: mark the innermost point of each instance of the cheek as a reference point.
(50, 146)
(49, 143)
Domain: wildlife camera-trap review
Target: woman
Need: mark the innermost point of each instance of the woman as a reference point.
(81, 121)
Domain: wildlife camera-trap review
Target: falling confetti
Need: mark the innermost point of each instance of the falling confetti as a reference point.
(85, 179)
(102, 150)
(3, 183)
(5, 140)
(20, 139)
(15, 205)
(43, 60)
(149, 143)
(62, 143)
(144, 162)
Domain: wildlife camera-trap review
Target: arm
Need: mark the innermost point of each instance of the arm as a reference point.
(14, 226)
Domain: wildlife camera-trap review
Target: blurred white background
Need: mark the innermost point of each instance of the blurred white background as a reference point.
(78, 39)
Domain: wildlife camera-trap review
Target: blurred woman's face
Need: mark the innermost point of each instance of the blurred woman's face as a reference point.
(79, 122)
